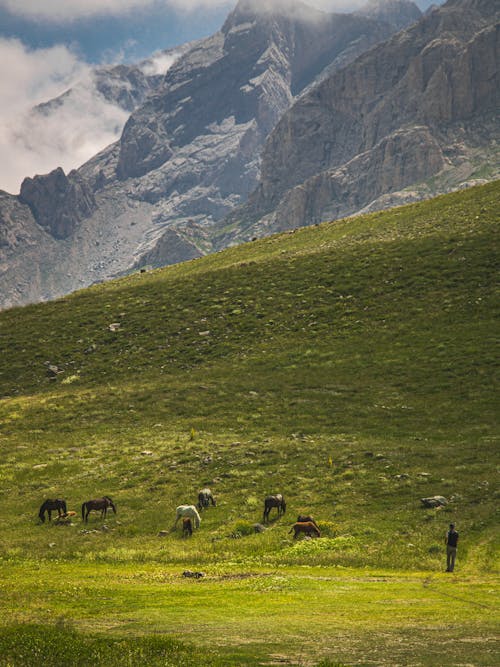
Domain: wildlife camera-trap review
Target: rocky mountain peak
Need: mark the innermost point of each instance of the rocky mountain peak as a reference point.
(399, 13)
(58, 202)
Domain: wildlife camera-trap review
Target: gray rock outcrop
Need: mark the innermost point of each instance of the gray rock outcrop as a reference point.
(58, 202)
(190, 151)
(403, 112)
(285, 117)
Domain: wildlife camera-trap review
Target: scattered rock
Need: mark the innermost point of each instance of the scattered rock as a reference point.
(193, 575)
(434, 501)
(163, 533)
(146, 452)
(258, 528)
(52, 370)
(114, 326)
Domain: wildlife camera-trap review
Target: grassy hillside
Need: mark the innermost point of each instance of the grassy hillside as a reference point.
(349, 366)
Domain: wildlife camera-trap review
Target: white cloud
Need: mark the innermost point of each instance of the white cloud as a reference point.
(159, 63)
(66, 10)
(33, 143)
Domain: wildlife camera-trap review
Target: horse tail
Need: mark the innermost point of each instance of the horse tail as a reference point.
(41, 513)
(64, 507)
(84, 505)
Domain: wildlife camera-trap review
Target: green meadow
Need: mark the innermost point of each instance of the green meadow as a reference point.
(350, 366)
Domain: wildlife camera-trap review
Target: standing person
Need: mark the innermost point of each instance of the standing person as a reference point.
(451, 541)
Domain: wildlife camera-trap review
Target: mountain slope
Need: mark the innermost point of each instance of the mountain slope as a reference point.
(368, 342)
(190, 153)
(421, 106)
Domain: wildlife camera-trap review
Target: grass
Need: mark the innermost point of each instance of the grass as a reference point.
(349, 366)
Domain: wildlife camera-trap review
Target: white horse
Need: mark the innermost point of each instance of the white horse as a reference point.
(190, 511)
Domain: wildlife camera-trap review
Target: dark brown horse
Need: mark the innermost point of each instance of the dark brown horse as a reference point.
(187, 527)
(100, 504)
(205, 498)
(307, 527)
(274, 501)
(52, 504)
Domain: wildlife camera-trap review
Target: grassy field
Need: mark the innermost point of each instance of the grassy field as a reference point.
(350, 366)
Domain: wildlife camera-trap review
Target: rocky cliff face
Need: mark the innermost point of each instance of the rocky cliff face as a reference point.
(344, 121)
(58, 202)
(412, 108)
(189, 153)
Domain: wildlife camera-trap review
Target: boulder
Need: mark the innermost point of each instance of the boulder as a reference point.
(434, 501)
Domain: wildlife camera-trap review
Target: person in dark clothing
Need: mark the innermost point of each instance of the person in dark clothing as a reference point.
(451, 541)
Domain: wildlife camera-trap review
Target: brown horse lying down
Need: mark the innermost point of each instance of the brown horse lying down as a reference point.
(187, 527)
(306, 527)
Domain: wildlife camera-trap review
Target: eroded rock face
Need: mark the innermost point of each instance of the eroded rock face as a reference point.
(172, 247)
(58, 202)
(383, 122)
(366, 129)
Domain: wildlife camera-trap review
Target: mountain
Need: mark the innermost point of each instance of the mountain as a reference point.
(189, 153)
(412, 117)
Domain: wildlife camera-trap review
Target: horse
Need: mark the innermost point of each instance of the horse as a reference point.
(302, 518)
(307, 527)
(56, 504)
(187, 527)
(190, 511)
(274, 501)
(101, 504)
(205, 497)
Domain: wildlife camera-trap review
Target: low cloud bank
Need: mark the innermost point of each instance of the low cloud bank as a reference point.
(66, 132)
(64, 11)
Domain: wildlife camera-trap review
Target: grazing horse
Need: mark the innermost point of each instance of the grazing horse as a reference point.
(274, 501)
(205, 497)
(302, 518)
(307, 527)
(101, 504)
(190, 511)
(187, 527)
(49, 505)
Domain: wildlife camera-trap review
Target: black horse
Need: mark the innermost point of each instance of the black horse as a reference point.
(205, 497)
(274, 501)
(52, 504)
(101, 504)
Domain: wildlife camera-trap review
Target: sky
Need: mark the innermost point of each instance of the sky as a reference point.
(47, 46)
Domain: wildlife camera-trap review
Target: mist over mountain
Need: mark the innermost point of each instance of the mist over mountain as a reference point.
(285, 116)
